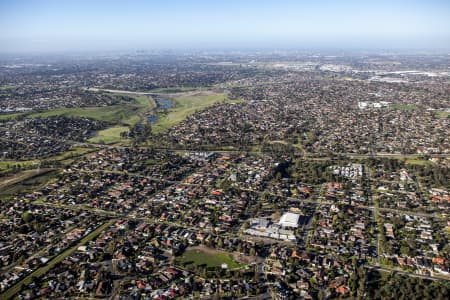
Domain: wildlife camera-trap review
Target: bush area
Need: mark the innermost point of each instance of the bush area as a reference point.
(382, 286)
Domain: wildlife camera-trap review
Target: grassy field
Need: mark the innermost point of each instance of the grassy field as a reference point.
(109, 136)
(404, 107)
(419, 162)
(26, 181)
(6, 165)
(9, 116)
(73, 152)
(9, 164)
(122, 113)
(442, 114)
(186, 105)
(125, 113)
(213, 258)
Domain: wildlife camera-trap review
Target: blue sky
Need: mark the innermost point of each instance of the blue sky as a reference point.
(86, 25)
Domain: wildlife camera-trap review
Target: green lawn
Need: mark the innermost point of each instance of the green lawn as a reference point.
(126, 113)
(144, 101)
(109, 135)
(442, 114)
(6, 165)
(418, 162)
(199, 257)
(9, 164)
(10, 116)
(404, 107)
(187, 105)
(73, 152)
(113, 114)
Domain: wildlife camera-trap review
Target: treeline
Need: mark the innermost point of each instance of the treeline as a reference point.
(396, 286)
(431, 174)
(309, 171)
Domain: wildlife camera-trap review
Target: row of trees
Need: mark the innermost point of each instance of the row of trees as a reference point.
(395, 286)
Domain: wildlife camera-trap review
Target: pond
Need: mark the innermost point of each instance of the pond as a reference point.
(161, 104)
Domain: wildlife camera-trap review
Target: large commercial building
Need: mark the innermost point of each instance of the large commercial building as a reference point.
(289, 220)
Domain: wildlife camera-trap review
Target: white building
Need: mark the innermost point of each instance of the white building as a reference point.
(289, 220)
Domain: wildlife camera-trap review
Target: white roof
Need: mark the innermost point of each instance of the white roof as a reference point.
(289, 220)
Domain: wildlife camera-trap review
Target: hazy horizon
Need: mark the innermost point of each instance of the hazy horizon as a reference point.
(78, 26)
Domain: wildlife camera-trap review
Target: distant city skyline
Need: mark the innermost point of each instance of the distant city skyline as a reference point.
(52, 26)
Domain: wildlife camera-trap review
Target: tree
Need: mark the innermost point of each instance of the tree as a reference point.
(321, 295)
(147, 130)
(352, 282)
(246, 225)
(27, 216)
(362, 281)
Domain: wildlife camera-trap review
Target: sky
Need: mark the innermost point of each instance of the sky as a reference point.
(90, 25)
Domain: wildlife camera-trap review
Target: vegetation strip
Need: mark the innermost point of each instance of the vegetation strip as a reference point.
(9, 293)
